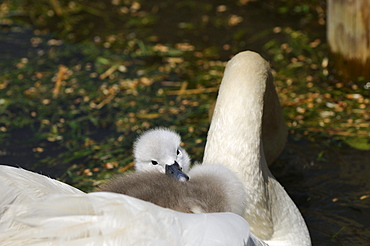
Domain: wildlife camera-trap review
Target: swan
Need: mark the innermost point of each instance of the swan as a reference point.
(212, 188)
(234, 141)
(36, 210)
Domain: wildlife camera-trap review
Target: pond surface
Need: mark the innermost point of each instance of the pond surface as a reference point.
(328, 180)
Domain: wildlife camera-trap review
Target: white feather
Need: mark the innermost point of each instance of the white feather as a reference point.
(112, 219)
(19, 186)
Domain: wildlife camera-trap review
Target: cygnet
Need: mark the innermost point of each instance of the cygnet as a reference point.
(211, 188)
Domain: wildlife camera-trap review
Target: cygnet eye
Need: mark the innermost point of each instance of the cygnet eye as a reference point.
(154, 162)
(178, 152)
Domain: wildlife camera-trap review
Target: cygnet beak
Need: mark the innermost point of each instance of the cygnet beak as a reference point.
(175, 171)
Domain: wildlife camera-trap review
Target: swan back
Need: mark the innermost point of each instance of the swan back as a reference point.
(66, 216)
(114, 219)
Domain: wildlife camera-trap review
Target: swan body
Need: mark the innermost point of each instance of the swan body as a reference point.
(70, 217)
(234, 140)
(210, 189)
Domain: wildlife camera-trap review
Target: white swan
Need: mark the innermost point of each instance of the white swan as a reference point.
(234, 140)
(53, 213)
(212, 188)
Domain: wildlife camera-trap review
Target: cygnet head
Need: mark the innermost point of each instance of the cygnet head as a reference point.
(159, 150)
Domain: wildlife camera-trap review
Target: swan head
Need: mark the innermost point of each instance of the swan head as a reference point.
(159, 150)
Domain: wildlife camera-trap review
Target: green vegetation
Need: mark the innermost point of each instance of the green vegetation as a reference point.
(99, 73)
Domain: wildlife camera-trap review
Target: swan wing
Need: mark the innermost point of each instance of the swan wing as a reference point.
(18, 185)
(37, 210)
(104, 218)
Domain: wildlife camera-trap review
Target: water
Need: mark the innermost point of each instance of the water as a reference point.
(325, 178)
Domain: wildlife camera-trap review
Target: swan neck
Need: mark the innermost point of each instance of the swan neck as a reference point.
(235, 141)
(234, 137)
(238, 116)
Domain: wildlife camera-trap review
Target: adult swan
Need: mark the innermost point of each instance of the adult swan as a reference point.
(234, 140)
(36, 210)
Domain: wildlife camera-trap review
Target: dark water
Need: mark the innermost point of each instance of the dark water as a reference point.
(326, 179)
